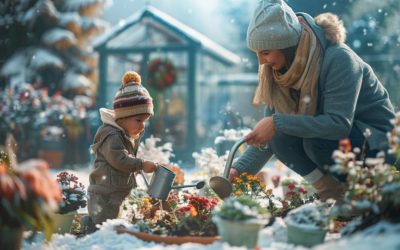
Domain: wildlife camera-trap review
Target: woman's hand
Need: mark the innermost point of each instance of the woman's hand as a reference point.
(262, 133)
(149, 166)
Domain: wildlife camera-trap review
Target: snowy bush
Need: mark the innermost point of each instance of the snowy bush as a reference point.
(209, 163)
(149, 150)
(312, 216)
(241, 208)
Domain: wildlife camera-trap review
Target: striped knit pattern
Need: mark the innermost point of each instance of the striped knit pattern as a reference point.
(132, 99)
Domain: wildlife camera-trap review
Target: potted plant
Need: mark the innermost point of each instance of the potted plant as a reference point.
(239, 220)
(73, 198)
(28, 197)
(307, 225)
(287, 184)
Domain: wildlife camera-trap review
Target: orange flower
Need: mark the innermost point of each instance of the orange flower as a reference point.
(268, 192)
(193, 211)
(3, 168)
(345, 145)
(238, 192)
(40, 181)
(180, 176)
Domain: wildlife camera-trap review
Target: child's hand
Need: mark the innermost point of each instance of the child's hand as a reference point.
(149, 166)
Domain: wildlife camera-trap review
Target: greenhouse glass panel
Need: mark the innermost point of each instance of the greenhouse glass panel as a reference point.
(146, 33)
(170, 103)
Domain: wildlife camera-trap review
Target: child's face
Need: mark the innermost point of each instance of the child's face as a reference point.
(134, 125)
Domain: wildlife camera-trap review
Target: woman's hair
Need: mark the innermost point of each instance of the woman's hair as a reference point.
(289, 54)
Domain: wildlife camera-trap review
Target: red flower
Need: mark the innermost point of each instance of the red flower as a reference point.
(291, 186)
(302, 190)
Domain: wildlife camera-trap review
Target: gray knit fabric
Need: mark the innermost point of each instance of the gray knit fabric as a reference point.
(273, 25)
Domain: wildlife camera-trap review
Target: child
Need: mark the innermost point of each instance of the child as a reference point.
(115, 146)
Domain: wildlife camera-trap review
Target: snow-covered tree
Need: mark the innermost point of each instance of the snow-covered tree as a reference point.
(48, 43)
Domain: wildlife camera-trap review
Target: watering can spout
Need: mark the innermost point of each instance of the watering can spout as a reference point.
(220, 184)
(198, 185)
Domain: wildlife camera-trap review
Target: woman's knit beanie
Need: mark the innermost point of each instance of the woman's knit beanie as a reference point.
(273, 25)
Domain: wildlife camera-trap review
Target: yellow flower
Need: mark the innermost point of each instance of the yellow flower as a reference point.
(238, 192)
(268, 191)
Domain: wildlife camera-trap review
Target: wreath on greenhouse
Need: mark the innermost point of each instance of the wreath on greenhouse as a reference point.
(161, 74)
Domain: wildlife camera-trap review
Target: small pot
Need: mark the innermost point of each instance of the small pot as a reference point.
(239, 233)
(63, 222)
(307, 237)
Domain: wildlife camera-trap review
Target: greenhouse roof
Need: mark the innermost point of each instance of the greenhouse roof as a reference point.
(192, 36)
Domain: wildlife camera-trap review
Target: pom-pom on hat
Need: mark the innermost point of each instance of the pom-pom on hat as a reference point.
(132, 98)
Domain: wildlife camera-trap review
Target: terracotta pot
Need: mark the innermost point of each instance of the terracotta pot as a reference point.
(10, 237)
(63, 222)
(176, 240)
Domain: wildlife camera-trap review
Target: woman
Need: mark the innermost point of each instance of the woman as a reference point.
(316, 90)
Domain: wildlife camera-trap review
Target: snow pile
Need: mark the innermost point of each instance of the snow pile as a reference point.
(308, 216)
(385, 233)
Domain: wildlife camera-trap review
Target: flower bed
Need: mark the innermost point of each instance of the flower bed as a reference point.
(183, 214)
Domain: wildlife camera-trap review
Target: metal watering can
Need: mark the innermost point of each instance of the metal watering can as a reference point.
(162, 181)
(220, 184)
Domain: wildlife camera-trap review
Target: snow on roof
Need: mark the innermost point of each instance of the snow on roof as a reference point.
(55, 35)
(171, 23)
(75, 81)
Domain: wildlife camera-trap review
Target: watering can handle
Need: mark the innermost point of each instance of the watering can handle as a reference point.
(230, 156)
(144, 178)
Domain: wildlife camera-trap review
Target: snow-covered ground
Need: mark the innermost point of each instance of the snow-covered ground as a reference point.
(271, 238)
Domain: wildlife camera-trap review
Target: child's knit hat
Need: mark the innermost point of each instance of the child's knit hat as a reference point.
(132, 98)
(273, 25)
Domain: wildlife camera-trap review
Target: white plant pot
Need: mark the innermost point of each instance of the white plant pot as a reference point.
(239, 233)
(63, 222)
(305, 236)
